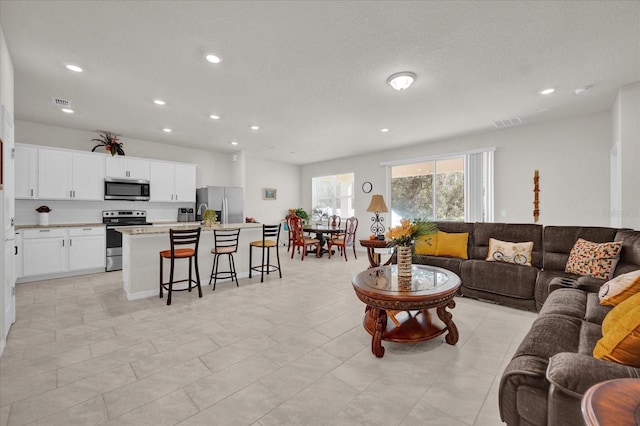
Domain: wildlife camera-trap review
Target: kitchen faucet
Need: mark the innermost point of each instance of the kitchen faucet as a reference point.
(200, 206)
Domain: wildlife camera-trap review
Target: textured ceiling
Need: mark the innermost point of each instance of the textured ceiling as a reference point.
(312, 74)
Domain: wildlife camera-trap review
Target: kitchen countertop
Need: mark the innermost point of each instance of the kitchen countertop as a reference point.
(164, 229)
(58, 225)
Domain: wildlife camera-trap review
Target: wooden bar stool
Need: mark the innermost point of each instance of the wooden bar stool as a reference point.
(270, 238)
(226, 243)
(179, 238)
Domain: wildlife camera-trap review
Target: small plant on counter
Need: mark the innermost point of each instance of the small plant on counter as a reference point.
(43, 209)
(209, 217)
(109, 141)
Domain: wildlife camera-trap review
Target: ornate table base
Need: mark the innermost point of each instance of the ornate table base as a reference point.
(408, 326)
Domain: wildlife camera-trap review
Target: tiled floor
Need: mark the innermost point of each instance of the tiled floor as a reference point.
(286, 351)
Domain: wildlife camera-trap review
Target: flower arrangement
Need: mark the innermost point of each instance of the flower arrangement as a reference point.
(109, 141)
(408, 231)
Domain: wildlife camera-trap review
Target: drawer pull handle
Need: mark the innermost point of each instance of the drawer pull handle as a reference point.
(45, 230)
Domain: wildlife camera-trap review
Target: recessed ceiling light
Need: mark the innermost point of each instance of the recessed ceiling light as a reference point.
(74, 68)
(401, 80)
(385, 130)
(234, 143)
(215, 117)
(255, 127)
(159, 102)
(167, 130)
(582, 90)
(547, 91)
(67, 110)
(214, 59)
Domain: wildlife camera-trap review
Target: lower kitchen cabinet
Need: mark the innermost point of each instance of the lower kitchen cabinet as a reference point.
(59, 252)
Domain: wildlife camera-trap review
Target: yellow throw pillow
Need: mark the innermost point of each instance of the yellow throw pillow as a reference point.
(505, 251)
(452, 244)
(426, 244)
(620, 340)
(591, 259)
(620, 288)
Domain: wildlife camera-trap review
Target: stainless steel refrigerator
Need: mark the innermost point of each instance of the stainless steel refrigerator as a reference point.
(227, 201)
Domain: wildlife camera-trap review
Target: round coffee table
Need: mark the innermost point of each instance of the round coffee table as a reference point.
(411, 310)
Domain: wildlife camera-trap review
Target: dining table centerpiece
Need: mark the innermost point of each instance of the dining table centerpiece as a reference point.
(403, 238)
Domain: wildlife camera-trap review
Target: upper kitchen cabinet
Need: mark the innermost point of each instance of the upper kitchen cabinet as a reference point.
(173, 182)
(67, 175)
(26, 172)
(127, 168)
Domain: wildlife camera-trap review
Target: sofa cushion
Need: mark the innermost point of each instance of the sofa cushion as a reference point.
(509, 252)
(559, 240)
(621, 334)
(452, 244)
(620, 288)
(630, 255)
(499, 278)
(577, 304)
(451, 263)
(597, 260)
(483, 231)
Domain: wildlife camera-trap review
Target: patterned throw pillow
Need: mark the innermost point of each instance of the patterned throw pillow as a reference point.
(590, 259)
(620, 288)
(505, 251)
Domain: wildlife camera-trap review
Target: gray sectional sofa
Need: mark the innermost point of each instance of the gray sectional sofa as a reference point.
(554, 365)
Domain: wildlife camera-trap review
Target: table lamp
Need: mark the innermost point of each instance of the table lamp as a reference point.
(377, 206)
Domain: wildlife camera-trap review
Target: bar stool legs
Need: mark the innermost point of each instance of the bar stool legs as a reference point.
(178, 238)
(226, 243)
(270, 239)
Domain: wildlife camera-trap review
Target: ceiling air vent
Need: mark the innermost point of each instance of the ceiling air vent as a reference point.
(61, 102)
(507, 123)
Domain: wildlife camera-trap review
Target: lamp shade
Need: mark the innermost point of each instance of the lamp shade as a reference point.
(377, 204)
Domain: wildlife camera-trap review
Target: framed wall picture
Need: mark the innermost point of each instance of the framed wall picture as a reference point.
(269, 194)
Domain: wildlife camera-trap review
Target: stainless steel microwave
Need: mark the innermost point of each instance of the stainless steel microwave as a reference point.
(126, 189)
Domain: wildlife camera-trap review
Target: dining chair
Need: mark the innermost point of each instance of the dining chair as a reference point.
(346, 239)
(181, 237)
(226, 243)
(300, 240)
(334, 220)
(270, 239)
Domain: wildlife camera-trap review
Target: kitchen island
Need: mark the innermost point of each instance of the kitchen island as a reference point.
(140, 256)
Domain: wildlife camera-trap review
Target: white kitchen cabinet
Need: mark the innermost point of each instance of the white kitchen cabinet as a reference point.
(173, 182)
(26, 172)
(59, 252)
(18, 255)
(86, 248)
(127, 168)
(45, 251)
(67, 175)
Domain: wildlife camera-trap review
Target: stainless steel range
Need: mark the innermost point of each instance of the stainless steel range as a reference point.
(116, 219)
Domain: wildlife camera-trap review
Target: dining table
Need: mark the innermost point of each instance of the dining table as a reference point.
(320, 230)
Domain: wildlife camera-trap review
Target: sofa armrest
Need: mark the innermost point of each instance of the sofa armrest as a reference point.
(590, 284)
(574, 373)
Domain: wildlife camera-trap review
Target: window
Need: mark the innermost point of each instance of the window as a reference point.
(333, 195)
(454, 188)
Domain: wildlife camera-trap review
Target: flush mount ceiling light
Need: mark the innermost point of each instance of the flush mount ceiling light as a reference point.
(159, 102)
(67, 110)
(385, 130)
(74, 68)
(167, 130)
(255, 127)
(234, 143)
(214, 59)
(401, 80)
(214, 117)
(547, 91)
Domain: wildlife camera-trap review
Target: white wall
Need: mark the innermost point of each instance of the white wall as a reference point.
(628, 131)
(572, 156)
(285, 178)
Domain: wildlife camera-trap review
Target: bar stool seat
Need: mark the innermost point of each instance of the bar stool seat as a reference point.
(178, 238)
(270, 238)
(226, 243)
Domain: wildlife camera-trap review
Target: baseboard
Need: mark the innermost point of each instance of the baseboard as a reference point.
(42, 277)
